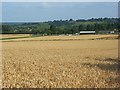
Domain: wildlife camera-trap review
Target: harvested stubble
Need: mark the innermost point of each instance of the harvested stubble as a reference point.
(59, 64)
(59, 38)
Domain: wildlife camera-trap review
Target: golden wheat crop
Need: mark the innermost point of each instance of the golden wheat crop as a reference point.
(0, 65)
(57, 64)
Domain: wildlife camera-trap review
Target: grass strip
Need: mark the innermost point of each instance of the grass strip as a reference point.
(18, 37)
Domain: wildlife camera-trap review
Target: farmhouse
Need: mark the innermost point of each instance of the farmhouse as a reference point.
(87, 32)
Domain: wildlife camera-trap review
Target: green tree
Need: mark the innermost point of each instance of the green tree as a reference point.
(53, 29)
(7, 29)
(80, 27)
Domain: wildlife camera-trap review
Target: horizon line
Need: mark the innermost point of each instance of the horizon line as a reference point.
(58, 20)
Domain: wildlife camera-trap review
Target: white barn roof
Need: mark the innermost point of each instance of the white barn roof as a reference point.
(87, 31)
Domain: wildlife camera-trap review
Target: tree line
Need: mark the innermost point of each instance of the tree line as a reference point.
(62, 26)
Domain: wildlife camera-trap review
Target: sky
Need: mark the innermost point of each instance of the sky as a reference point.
(48, 11)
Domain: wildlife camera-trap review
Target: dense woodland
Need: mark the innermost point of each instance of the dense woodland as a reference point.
(58, 27)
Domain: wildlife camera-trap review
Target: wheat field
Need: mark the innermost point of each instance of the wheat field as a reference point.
(58, 64)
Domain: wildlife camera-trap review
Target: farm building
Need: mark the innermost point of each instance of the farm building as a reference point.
(87, 32)
(108, 32)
